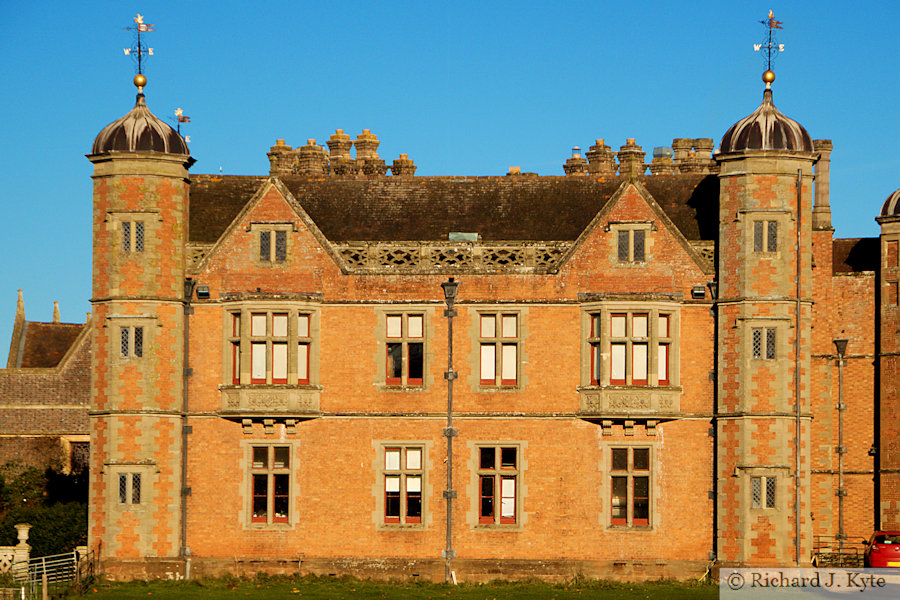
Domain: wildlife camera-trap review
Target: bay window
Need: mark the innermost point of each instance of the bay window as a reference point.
(269, 346)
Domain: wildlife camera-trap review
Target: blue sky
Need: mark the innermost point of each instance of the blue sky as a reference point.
(466, 88)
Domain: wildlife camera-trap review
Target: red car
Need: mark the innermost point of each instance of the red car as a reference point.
(883, 550)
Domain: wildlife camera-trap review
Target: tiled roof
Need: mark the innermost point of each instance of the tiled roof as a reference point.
(855, 255)
(518, 208)
(215, 202)
(47, 343)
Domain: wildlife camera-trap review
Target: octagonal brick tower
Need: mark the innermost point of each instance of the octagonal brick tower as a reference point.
(139, 228)
(764, 330)
(888, 442)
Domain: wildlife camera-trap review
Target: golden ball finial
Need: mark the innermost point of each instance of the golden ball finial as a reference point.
(140, 81)
(768, 76)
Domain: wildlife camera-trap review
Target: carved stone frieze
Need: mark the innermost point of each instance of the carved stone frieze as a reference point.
(260, 401)
(450, 257)
(650, 401)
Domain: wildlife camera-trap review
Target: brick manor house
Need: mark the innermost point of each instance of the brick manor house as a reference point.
(645, 375)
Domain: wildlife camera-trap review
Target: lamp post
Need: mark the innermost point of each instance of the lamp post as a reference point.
(841, 346)
(451, 287)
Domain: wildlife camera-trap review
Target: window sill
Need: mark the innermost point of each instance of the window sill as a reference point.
(629, 528)
(400, 527)
(269, 526)
(497, 527)
(272, 386)
(499, 388)
(401, 388)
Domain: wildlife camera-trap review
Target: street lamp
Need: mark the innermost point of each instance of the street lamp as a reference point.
(451, 288)
(841, 346)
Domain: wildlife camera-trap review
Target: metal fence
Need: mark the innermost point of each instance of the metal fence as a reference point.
(829, 552)
(49, 576)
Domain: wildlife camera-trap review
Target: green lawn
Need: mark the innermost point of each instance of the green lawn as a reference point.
(326, 588)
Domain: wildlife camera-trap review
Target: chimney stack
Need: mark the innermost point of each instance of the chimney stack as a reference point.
(821, 216)
(403, 167)
(367, 154)
(631, 159)
(601, 160)
(313, 160)
(577, 164)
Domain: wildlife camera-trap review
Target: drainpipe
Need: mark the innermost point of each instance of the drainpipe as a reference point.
(189, 285)
(450, 290)
(841, 345)
(797, 376)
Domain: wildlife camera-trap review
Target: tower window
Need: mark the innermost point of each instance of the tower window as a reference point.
(762, 492)
(129, 488)
(764, 343)
(131, 342)
(765, 236)
(132, 236)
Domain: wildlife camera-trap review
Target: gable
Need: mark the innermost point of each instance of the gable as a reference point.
(664, 251)
(249, 253)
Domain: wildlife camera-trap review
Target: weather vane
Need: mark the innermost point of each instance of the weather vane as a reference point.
(178, 119)
(771, 45)
(138, 49)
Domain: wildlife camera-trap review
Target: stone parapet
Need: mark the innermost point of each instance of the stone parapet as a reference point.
(450, 257)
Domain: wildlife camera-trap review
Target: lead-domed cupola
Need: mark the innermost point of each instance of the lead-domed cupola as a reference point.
(139, 131)
(891, 206)
(766, 129)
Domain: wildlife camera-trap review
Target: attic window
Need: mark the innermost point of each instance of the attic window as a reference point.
(273, 246)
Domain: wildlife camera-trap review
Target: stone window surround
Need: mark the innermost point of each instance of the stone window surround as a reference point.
(246, 491)
(782, 219)
(378, 467)
(782, 476)
(781, 325)
(380, 334)
(653, 309)
(150, 220)
(605, 516)
(614, 227)
(114, 325)
(475, 338)
(472, 488)
(147, 470)
(257, 227)
(292, 308)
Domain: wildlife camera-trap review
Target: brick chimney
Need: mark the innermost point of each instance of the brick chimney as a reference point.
(56, 311)
(281, 158)
(821, 216)
(312, 159)
(367, 154)
(601, 160)
(576, 165)
(403, 167)
(681, 148)
(631, 159)
(339, 145)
